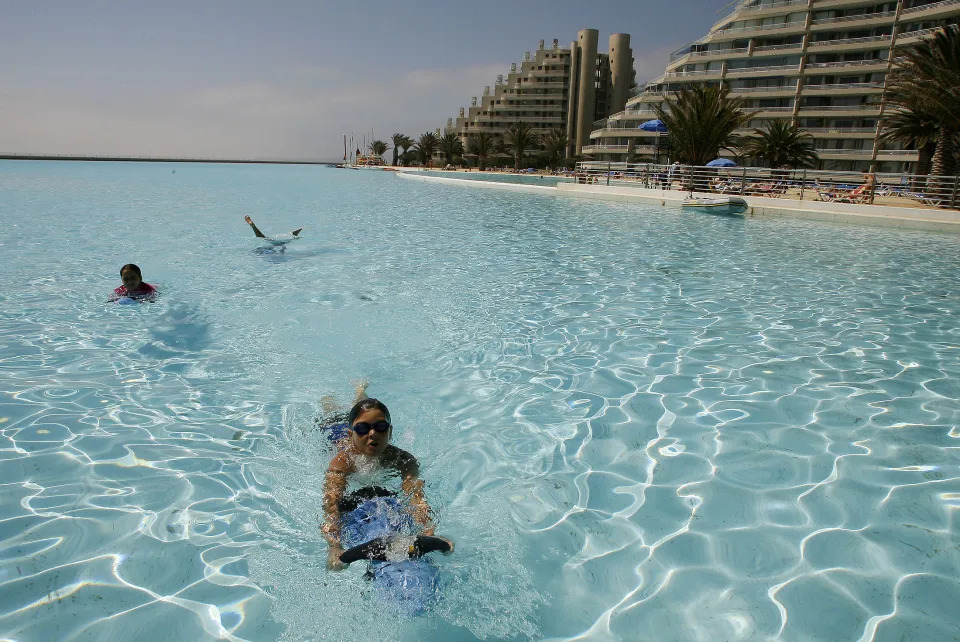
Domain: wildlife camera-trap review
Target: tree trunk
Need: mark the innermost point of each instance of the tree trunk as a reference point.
(943, 163)
(925, 157)
(396, 155)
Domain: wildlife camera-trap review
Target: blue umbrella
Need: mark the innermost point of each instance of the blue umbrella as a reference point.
(655, 125)
(721, 162)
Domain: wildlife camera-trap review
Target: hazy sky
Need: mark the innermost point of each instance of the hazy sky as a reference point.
(283, 79)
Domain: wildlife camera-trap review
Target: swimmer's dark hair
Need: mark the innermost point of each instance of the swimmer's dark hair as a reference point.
(131, 266)
(365, 405)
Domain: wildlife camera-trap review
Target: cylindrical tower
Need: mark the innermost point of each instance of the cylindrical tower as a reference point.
(621, 68)
(586, 96)
(572, 91)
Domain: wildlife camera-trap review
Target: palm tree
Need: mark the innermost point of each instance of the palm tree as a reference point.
(483, 145)
(555, 144)
(400, 140)
(701, 121)
(378, 148)
(517, 139)
(426, 147)
(450, 146)
(929, 76)
(914, 128)
(782, 144)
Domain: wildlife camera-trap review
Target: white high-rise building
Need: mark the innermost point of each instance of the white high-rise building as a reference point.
(820, 63)
(555, 88)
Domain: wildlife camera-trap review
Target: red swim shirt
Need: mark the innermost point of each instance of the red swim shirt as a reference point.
(144, 291)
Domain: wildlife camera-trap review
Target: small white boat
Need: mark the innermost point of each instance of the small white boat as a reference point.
(727, 205)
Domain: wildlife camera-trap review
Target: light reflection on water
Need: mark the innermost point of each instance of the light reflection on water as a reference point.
(629, 419)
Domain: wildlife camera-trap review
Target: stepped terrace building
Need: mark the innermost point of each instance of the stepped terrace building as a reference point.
(821, 63)
(555, 88)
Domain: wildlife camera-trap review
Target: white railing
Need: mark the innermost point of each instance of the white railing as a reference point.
(901, 190)
(919, 33)
(750, 90)
(844, 152)
(839, 107)
(719, 52)
(847, 85)
(850, 63)
(861, 16)
(780, 26)
(927, 7)
(761, 49)
(849, 41)
(899, 152)
(753, 70)
(697, 72)
(761, 109)
(604, 148)
(839, 131)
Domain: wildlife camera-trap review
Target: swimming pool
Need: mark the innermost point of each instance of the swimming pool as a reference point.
(636, 423)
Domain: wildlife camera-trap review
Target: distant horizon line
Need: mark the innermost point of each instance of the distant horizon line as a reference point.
(163, 159)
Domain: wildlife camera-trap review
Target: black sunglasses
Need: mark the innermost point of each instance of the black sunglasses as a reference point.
(362, 428)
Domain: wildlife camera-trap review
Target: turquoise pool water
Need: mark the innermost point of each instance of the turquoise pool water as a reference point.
(636, 423)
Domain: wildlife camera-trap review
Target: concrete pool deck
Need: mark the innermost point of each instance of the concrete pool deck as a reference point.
(908, 218)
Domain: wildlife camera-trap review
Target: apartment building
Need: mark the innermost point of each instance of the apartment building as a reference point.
(555, 88)
(820, 63)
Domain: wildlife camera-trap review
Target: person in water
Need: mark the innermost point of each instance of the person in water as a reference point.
(369, 443)
(133, 286)
(261, 235)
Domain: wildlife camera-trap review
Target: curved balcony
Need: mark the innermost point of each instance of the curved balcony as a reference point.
(858, 87)
(856, 21)
(868, 111)
(844, 66)
(841, 132)
(744, 71)
(605, 149)
(929, 9)
(842, 44)
(779, 28)
(778, 49)
(916, 35)
(766, 91)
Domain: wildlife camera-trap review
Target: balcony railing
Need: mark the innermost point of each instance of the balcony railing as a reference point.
(754, 70)
(697, 72)
(927, 7)
(849, 41)
(772, 27)
(845, 152)
(861, 16)
(775, 109)
(770, 5)
(750, 90)
(839, 107)
(919, 33)
(839, 131)
(719, 52)
(846, 85)
(846, 63)
(795, 45)
(605, 148)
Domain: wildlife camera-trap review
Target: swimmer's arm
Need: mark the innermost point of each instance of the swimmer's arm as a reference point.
(333, 488)
(412, 486)
(256, 230)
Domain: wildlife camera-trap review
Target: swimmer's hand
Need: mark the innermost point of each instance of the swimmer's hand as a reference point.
(248, 219)
(333, 559)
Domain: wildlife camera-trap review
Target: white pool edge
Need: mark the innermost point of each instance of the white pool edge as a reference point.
(907, 218)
